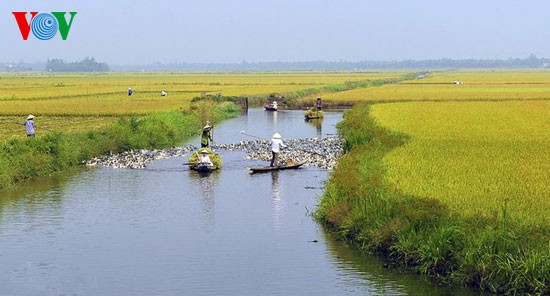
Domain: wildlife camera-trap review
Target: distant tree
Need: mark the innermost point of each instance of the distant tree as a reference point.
(86, 65)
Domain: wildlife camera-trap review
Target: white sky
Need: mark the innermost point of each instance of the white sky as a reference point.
(140, 32)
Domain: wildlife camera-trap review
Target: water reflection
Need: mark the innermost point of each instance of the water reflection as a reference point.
(276, 198)
(317, 123)
(271, 117)
(28, 202)
(207, 194)
(381, 280)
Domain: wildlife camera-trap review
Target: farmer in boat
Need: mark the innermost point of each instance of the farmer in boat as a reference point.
(29, 125)
(204, 158)
(206, 135)
(319, 103)
(276, 145)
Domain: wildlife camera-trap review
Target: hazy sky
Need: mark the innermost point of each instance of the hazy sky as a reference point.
(139, 31)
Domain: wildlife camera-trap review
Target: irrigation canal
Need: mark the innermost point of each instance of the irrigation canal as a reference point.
(165, 230)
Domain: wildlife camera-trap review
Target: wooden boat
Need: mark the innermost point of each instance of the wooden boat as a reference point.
(195, 163)
(203, 168)
(269, 107)
(310, 117)
(260, 169)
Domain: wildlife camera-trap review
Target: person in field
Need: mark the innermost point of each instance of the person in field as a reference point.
(163, 93)
(29, 126)
(130, 92)
(206, 135)
(276, 145)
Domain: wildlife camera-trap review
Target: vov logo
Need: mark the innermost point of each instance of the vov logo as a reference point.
(44, 26)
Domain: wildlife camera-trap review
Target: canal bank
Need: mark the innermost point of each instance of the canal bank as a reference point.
(165, 230)
(22, 160)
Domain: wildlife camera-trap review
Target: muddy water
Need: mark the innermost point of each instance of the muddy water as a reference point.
(166, 230)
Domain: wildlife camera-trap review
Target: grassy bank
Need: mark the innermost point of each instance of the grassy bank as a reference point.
(423, 233)
(22, 159)
(306, 98)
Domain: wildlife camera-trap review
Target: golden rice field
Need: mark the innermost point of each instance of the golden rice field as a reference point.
(83, 101)
(106, 94)
(476, 157)
(12, 126)
(438, 86)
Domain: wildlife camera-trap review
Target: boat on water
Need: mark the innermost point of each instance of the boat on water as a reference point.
(271, 106)
(314, 113)
(310, 117)
(203, 168)
(260, 169)
(204, 160)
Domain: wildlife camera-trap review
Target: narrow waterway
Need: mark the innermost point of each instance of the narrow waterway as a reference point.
(165, 230)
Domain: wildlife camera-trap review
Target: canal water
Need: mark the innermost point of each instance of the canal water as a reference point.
(165, 230)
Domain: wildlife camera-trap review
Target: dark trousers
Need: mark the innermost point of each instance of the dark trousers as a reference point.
(204, 145)
(274, 159)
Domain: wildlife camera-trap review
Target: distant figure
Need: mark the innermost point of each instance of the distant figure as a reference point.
(163, 93)
(458, 82)
(274, 104)
(204, 158)
(130, 92)
(29, 125)
(319, 103)
(206, 134)
(276, 145)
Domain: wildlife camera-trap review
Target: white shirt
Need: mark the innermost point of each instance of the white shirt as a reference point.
(204, 159)
(276, 144)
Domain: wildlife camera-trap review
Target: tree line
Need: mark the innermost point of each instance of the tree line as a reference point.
(86, 65)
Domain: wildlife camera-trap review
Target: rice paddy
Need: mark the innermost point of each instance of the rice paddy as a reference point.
(476, 157)
(89, 101)
(439, 86)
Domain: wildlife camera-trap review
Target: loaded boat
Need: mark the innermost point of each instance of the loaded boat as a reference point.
(203, 168)
(271, 106)
(204, 161)
(314, 113)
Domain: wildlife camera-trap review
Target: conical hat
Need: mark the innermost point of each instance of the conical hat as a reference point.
(30, 116)
(276, 136)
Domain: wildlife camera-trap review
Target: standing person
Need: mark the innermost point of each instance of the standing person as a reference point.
(206, 134)
(319, 103)
(130, 92)
(276, 145)
(29, 125)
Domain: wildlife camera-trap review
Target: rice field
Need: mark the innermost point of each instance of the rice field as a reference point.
(12, 126)
(85, 101)
(438, 86)
(477, 157)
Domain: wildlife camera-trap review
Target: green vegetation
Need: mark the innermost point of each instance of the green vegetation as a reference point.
(306, 97)
(423, 233)
(22, 159)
